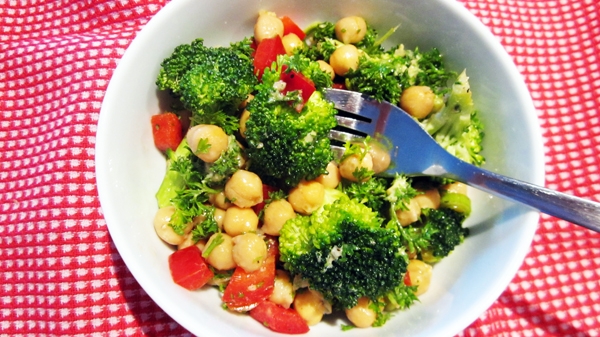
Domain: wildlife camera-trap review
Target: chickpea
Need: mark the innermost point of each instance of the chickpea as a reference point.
(456, 187)
(419, 273)
(429, 198)
(343, 59)
(219, 200)
(381, 157)
(326, 68)
(243, 120)
(418, 101)
(412, 214)
(310, 305)
(216, 140)
(267, 25)
(283, 289)
(166, 232)
(361, 315)
(307, 197)
(239, 220)
(244, 189)
(219, 216)
(353, 163)
(332, 178)
(275, 215)
(290, 42)
(249, 251)
(221, 256)
(351, 29)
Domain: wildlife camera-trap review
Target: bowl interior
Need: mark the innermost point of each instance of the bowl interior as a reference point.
(129, 168)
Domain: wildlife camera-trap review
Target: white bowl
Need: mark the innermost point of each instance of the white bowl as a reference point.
(129, 169)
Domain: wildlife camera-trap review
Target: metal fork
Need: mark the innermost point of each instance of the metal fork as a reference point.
(416, 153)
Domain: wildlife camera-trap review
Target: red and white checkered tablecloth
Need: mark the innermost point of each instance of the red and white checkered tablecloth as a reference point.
(60, 273)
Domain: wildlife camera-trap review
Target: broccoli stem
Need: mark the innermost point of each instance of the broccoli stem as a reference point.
(173, 180)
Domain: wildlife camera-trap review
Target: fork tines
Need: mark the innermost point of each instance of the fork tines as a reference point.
(353, 124)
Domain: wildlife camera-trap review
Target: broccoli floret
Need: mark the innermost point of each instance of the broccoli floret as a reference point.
(282, 143)
(183, 58)
(343, 252)
(372, 192)
(432, 72)
(187, 56)
(222, 82)
(456, 126)
(173, 180)
(210, 81)
(446, 231)
(385, 75)
(378, 76)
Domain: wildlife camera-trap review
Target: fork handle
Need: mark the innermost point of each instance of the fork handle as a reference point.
(579, 211)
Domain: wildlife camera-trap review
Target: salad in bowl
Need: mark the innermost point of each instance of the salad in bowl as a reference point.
(256, 203)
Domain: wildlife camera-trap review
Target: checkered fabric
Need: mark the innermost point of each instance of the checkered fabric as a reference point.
(60, 273)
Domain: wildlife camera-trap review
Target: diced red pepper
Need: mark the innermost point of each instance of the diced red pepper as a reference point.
(266, 189)
(407, 280)
(296, 81)
(279, 319)
(266, 53)
(166, 131)
(246, 290)
(289, 26)
(189, 269)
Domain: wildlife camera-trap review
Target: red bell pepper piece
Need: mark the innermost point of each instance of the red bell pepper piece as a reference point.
(407, 280)
(246, 290)
(266, 53)
(189, 269)
(166, 131)
(289, 26)
(279, 319)
(296, 81)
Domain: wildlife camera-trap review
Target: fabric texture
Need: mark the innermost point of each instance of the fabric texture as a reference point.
(61, 274)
